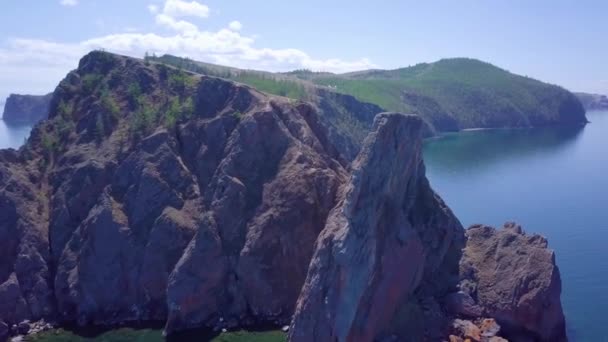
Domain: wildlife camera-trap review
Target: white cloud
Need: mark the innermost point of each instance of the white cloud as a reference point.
(235, 25)
(153, 9)
(31, 65)
(69, 2)
(179, 8)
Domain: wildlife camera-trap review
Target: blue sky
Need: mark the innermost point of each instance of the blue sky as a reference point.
(559, 41)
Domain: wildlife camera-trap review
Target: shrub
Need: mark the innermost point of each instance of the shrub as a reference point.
(188, 108)
(180, 81)
(110, 105)
(143, 120)
(65, 110)
(90, 82)
(134, 92)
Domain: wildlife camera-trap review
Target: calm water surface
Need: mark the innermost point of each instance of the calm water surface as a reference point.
(552, 181)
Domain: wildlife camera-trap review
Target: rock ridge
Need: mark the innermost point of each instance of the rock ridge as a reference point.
(155, 194)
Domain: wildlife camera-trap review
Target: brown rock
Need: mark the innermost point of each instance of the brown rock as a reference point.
(497, 339)
(514, 278)
(454, 338)
(467, 329)
(489, 327)
(376, 247)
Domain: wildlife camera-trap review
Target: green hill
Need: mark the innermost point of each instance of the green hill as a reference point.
(450, 94)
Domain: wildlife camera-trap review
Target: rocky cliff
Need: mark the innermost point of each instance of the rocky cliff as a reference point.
(593, 101)
(26, 108)
(153, 194)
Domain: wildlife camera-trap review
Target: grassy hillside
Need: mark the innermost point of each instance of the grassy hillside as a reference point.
(450, 94)
(474, 93)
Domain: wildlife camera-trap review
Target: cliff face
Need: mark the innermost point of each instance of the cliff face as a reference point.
(389, 237)
(26, 108)
(154, 194)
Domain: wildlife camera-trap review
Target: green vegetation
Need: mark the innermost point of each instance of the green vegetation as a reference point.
(238, 115)
(49, 143)
(475, 93)
(150, 335)
(65, 110)
(449, 94)
(134, 93)
(143, 120)
(90, 82)
(180, 81)
(178, 111)
(276, 84)
(110, 105)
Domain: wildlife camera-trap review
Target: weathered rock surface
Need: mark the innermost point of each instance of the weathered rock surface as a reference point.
(212, 219)
(388, 235)
(152, 194)
(513, 277)
(27, 109)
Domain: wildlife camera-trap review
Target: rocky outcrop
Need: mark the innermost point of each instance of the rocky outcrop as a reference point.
(115, 209)
(152, 194)
(512, 277)
(388, 236)
(593, 101)
(27, 109)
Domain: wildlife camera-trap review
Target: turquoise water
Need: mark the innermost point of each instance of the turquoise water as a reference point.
(553, 181)
(13, 135)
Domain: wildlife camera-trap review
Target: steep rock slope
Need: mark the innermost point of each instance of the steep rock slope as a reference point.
(142, 174)
(388, 237)
(153, 194)
(26, 108)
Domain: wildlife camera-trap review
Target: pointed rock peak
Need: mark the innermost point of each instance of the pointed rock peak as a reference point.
(388, 233)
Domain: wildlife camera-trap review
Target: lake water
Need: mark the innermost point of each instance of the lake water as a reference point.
(12, 135)
(552, 181)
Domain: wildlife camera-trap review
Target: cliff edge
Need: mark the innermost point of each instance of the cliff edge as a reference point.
(26, 109)
(154, 194)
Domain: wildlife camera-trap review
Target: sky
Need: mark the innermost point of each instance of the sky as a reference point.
(563, 42)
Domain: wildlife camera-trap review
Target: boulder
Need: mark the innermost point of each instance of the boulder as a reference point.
(467, 329)
(513, 277)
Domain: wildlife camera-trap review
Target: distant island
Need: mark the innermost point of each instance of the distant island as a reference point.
(26, 109)
(593, 101)
(450, 94)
